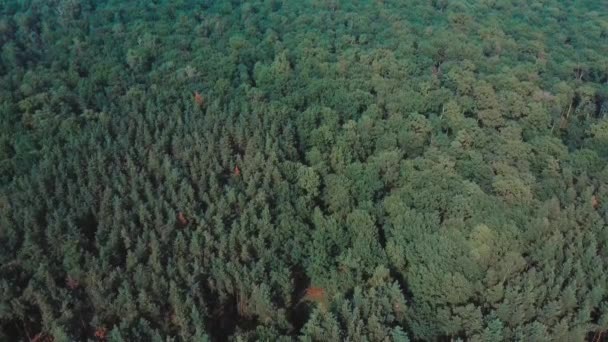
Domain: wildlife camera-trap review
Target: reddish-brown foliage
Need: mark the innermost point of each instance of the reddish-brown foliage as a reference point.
(42, 337)
(173, 318)
(72, 283)
(183, 221)
(199, 99)
(101, 333)
(595, 202)
(316, 294)
(597, 337)
(237, 171)
(436, 70)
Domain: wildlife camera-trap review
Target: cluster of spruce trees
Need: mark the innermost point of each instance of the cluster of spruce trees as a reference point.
(315, 170)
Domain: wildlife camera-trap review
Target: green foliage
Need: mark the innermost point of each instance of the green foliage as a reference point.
(352, 170)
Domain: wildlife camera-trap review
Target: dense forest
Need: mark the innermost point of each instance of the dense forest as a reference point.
(310, 170)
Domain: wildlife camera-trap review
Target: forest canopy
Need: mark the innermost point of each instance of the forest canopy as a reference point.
(310, 170)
